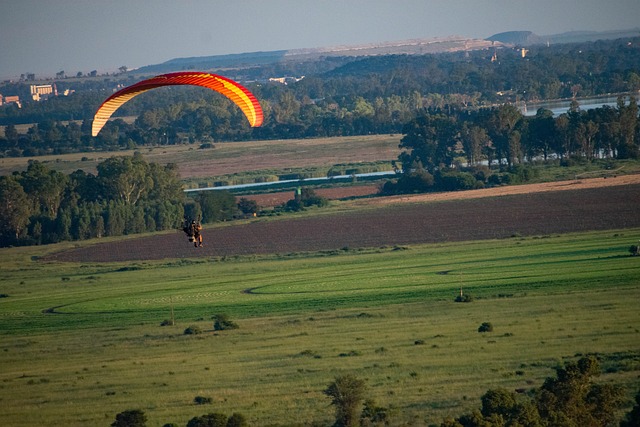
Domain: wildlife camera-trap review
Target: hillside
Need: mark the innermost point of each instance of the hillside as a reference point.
(399, 47)
(528, 38)
(255, 59)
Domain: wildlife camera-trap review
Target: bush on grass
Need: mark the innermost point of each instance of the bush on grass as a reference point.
(486, 327)
(222, 322)
(193, 330)
(130, 418)
(464, 298)
(201, 400)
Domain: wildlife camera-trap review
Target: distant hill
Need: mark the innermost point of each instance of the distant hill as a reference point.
(300, 60)
(521, 38)
(528, 38)
(240, 60)
(256, 59)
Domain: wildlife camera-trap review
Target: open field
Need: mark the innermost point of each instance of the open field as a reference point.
(378, 222)
(234, 157)
(365, 287)
(363, 190)
(82, 342)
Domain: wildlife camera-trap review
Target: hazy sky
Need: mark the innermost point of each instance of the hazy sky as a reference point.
(47, 36)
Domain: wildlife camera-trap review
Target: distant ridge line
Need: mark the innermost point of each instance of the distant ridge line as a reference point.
(419, 46)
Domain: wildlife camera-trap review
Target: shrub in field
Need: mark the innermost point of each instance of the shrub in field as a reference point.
(304, 199)
(418, 181)
(209, 420)
(634, 250)
(632, 418)
(237, 420)
(373, 414)
(201, 400)
(453, 181)
(222, 322)
(130, 418)
(486, 327)
(464, 298)
(193, 330)
(248, 207)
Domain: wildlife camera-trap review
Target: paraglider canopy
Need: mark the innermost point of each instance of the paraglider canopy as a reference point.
(232, 90)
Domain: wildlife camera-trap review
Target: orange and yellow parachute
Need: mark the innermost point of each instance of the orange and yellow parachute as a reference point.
(232, 90)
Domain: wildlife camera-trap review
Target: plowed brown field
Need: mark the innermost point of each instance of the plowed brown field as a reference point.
(526, 210)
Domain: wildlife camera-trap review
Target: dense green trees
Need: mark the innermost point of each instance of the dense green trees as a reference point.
(216, 206)
(569, 399)
(339, 96)
(435, 145)
(128, 195)
(218, 420)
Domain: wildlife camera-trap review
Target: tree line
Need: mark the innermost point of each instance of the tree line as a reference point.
(357, 96)
(457, 149)
(130, 196)
(127, 195)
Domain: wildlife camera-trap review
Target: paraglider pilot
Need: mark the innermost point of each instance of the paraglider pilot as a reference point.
(192, 229)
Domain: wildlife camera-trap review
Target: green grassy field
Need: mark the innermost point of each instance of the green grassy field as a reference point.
(81, 343)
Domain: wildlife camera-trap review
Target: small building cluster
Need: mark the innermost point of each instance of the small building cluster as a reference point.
(6, 100)
(285, 80)
(38, 92)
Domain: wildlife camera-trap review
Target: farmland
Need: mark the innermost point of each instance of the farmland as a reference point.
(82, 341)
(270, 157)
(381, 222)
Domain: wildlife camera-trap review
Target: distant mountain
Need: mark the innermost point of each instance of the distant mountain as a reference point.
(527, 38)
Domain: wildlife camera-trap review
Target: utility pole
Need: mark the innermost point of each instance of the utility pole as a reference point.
(173, 319)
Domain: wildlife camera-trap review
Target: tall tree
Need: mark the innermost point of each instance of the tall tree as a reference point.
(572, 399)
(346, 393)
(125, 178)
(430, 140)
(569, 399)
(501, 125)
(217, 205)
(628, 118)
(15, 208)
(45, 187)
(541, 134)
(474, 140)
